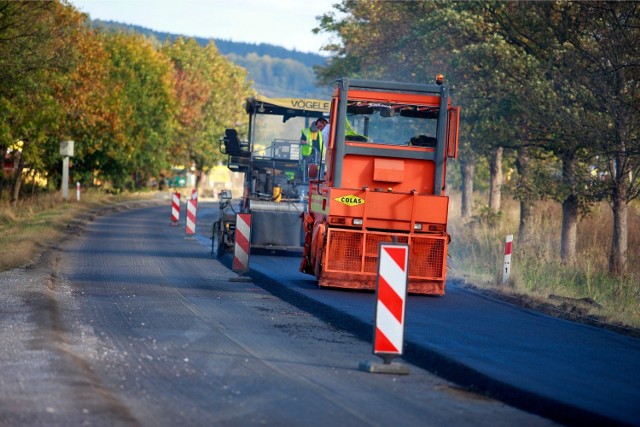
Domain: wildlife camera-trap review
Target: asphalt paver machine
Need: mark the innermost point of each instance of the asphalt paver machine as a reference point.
(276, 181)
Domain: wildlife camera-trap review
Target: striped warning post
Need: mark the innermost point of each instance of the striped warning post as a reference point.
(192, 209)
(507, 259)
(242, 248)
(391, 296)
(175, 208)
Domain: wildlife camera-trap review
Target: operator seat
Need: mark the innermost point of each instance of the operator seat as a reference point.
(232, 144)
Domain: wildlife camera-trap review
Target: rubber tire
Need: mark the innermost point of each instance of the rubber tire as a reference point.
(215, 240)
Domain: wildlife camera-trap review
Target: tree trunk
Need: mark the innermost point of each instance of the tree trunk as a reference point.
(569, 229)
(198, 178)
(467, 167)
(495, 188)
(33, 183)
(3, 153)
(525, 230)
(619, 243)
(17, 182)
(569, 211)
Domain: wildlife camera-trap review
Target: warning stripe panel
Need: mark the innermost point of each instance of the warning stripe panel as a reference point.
(175, 207)
(390, 298)
(242, 240)
(391, 293)
(398, 255)
(394, 274)
(389, 326)
(242, 245)
(240, 259)
(192, 207)
(243, 224)
(383, 345)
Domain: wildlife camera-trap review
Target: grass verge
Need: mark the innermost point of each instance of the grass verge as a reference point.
(35, 223)
(583, 290)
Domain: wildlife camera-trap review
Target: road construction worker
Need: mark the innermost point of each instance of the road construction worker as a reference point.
(312, 138)
(351, 134)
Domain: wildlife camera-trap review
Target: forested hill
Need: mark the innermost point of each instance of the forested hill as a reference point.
(276, 71)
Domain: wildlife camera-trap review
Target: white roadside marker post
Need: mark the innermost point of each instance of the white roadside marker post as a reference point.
(507, 259)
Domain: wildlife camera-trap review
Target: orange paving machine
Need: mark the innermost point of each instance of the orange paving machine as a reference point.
(383, 180)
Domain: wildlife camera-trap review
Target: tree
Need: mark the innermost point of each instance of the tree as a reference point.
(467, 168)
(34, 54)
(607, 45)
(593, 57)
(210, 91)
(145, 103)
(131, 111)
(88, 99)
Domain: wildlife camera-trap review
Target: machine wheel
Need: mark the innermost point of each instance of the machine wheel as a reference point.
(216, 240)
(317, 269)
(318, 243)
(213, 237)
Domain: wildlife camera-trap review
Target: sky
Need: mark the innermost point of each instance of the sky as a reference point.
(286, 23)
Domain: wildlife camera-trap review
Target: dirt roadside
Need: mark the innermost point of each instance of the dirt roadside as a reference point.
(34, 300)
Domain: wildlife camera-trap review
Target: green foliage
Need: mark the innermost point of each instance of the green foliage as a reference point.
(553, 83)
(146, 104)
(274, 70)
(35, 54)
(486, 216)
(132, 106)
(210, 91)
(226, 47)
(277, 77)
(477, 254)
(544, 178)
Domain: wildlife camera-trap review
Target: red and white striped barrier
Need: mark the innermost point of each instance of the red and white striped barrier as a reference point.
(192, 209)
(243, 239)
(391, 294)
(175, 208)
(507, 259)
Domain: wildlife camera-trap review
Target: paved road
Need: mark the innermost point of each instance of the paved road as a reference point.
(129, 323)
(569, 372)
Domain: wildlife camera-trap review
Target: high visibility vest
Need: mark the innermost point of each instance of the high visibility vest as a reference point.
(307, 148)
(350, 132)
